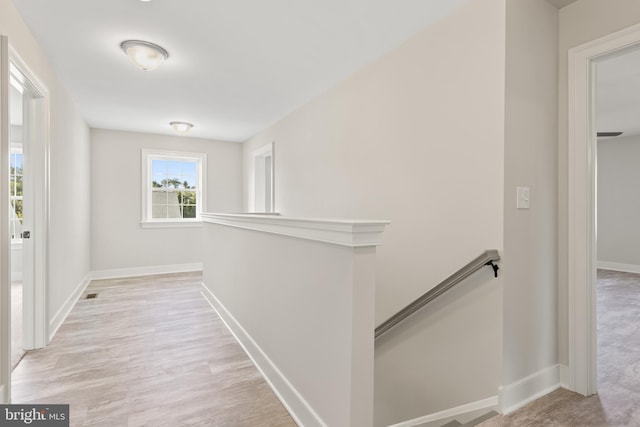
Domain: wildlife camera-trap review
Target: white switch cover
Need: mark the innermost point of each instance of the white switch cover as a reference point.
(523, 197)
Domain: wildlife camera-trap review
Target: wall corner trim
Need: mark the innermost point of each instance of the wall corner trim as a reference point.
(299, 409)
(564, 376)
(58, 319)
(528, 389)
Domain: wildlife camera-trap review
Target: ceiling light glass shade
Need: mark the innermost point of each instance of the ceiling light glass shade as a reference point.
(181, 127)
(145, 55)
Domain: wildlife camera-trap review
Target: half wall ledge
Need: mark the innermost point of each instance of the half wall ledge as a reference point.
(343, 232)
(299, 296)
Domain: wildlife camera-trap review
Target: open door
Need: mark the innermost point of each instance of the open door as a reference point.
(28, 179)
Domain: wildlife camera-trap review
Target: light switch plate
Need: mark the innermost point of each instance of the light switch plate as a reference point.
(523, 197)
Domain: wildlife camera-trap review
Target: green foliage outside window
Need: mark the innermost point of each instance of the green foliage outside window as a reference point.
(186, 199)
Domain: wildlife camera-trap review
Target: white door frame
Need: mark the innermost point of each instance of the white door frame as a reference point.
(40, 165)
(5, 236)
(35, 312)
(257, 184)
(582, 261)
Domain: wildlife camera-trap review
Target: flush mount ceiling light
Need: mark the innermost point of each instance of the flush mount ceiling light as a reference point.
(181, 127)
(145, 55)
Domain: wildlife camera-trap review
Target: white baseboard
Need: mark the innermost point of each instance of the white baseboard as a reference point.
(490, 403)
(299, 409)
(616, 266)
(63, 312)
(145, 271)
(526, 390)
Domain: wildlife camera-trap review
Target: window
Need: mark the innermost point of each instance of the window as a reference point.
(16, 194)
(172, 187)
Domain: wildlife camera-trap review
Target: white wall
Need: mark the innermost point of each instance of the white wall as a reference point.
(580, 22)
(417, 138)
(530, 160)
(446, 355)
(118, 241)
(303, 309)
(619, 201)
(69, 244)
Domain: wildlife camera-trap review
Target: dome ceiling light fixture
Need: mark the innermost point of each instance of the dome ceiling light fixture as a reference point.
(145, 55)
(181, 128)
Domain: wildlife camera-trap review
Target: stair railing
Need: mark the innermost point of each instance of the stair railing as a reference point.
(489, 257)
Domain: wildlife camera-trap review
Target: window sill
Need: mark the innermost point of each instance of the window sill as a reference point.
(171, 224)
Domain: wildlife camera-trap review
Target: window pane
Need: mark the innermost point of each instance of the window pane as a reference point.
(189, 211)
(159, 166)
(172, 198)
(189, 181)
(159, 211)
(174, 212)
(172, 182)
(17, 186)
(189, 198)
(174, 168)
(189, 168)
(17, 209)
(159, 197)
(16, 163)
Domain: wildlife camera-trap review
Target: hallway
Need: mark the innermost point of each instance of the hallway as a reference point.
(148, 351)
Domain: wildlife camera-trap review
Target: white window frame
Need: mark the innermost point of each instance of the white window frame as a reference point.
(147, 156)
(16, 240)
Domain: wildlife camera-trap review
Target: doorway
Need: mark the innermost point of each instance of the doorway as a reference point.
(263, 197)
(617, 106)
(582, 371)
(19, 100)
(25, 201)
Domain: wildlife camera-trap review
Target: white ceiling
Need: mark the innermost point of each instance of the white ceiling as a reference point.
(618, 94)
(235, 66)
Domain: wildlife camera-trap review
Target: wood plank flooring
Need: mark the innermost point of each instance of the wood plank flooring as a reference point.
(148, 352)
(16, 324)
(617, 403)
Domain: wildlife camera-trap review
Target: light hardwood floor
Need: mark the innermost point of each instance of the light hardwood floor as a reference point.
(148, 351)
(16, 324)
(617, 403)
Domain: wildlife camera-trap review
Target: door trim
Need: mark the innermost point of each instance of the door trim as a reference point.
(36, 313)
(5, 237)
(582, 332)
(40, 162)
